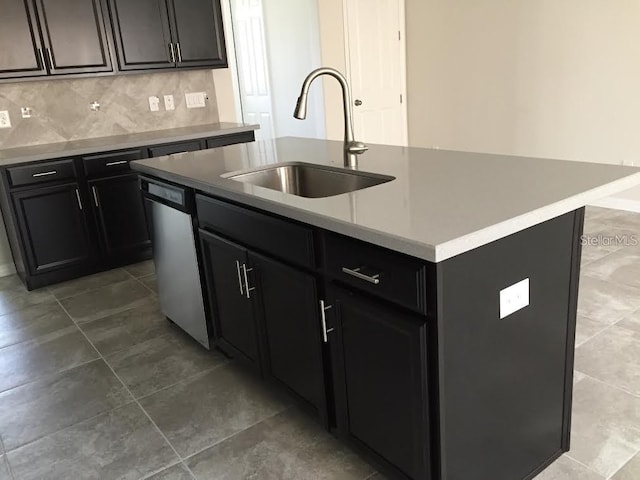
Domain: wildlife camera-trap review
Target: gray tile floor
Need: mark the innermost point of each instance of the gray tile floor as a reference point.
(96, 384)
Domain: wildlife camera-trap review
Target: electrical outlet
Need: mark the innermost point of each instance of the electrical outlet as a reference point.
(196, 100)
(5, 120)
(168, 103)
(154, 104)
(26, 112)
(514, 298)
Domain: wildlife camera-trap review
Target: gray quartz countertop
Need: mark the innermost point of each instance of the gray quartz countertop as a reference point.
(118, 142)
(441, 203)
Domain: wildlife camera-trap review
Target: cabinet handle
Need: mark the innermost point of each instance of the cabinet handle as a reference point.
(179, 52)
(323, 319)
(95, 196)
(111, 164)
(247, 289)
(50, 55)
(239, 277)
(41, 59)
(173, 53)
(355, 272)
(79, 201)
(44, 174)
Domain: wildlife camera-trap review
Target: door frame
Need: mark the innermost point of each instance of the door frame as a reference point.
(403, 59)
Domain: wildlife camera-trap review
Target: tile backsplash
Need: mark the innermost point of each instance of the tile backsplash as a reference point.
(61, 108)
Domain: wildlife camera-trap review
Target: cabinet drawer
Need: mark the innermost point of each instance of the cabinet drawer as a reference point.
(42, 172)
(230, 139)
(280, 238)
(175, 148)
(381, 272)
(110, 163)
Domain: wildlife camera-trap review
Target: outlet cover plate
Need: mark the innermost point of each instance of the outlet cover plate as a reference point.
(5, 119)
(169, 103)
(196, 100)
(514, 298)
(154, 104)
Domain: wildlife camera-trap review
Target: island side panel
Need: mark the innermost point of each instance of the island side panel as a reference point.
(506, 384)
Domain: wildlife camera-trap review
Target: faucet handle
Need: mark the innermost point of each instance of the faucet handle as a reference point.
(356, 147)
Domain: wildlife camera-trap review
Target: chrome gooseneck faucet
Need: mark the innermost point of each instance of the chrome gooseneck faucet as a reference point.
(352, 148)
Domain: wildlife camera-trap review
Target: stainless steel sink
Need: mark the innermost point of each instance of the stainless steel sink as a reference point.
(309, 180)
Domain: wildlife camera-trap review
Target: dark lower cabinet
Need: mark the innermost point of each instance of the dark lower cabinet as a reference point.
(234, 323)
(291, 321)
(120, 214)
(53, 227)
(380, 380)
(267, 314)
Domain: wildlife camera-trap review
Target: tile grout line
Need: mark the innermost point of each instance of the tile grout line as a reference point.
(137, 279)
(125, 387)
(623, 465)
(91, 289)
(5, 458)
(585, 465)
(635, 395)
(189, 457)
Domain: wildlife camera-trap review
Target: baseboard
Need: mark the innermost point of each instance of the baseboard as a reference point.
(618, 203)
(7, 269)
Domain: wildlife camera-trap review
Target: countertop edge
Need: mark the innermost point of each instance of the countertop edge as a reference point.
(213, 132)
(430, 253)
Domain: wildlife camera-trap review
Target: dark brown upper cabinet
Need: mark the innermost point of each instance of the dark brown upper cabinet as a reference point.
(20, 46)
(151, 34)
(74, 36)
(52, 37)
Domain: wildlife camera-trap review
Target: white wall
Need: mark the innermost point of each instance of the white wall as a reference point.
(543, 78)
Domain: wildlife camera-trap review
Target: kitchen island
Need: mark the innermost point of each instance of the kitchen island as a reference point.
(388, 312)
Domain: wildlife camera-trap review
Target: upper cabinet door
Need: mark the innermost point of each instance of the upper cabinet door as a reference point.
(74, 35)
(198, 33)
(142, 34)
(20, 48)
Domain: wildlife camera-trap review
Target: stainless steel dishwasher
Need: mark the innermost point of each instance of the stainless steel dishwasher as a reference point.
(169, 215)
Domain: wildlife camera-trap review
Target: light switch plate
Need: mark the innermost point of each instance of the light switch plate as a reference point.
(154, 103)
(514, 298)
(196, 100)
(168, 103)
(5, 120)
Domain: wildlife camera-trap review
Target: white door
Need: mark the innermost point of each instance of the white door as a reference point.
(253, 69)
(375, 48)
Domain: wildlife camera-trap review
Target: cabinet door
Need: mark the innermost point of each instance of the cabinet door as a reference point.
(381, 380)
(21, 52)
(233, 319)
(120, 213)
(142, 35)
(53, 226)
(290, 311)
(74, 36)
(198, 33)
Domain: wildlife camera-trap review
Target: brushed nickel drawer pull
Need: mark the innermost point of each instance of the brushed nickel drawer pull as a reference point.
(323, 319)
(247, 288)
(111, 164)
(179, 52)
(42, 60)
(95, 195)
(239, 277)
(79, 201)
(44, 174)
(173, 53)
(50, 58)
(355, 272)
